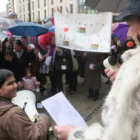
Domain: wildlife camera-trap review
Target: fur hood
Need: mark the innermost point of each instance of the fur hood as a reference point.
(121, 111)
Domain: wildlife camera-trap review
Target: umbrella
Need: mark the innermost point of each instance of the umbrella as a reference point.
(28, 29)
(3, 36)
(52, 29)
(6, 23)
(43, 40)
(48, 25)
(48, 19)
(18, 21)
(115, 6)
(120, 30)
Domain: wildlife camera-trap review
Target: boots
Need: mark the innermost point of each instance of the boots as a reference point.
(91, 93)
(96, 95)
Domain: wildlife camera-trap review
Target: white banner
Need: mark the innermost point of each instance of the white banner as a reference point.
(84, 32)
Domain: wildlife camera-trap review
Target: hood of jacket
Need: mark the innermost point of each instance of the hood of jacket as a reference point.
(5, 105)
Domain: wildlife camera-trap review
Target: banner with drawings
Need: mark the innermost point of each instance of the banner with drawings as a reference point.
(84, 32)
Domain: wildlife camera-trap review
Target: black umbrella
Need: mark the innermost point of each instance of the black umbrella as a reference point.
(115, 6)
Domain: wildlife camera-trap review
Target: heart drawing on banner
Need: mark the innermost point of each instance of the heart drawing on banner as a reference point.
(66, 30)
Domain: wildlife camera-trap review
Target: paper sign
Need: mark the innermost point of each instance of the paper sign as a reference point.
(39, 105)
(48, 60)
(84, 32)
(91, 66)
(62, 111)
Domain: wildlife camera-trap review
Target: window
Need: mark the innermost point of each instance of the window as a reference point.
(33, 5)
(23, 8)
(71, 8)
(38, 4)
(24, 17)
(28, 19)
(52, 12)
(61, 9)
(38, 15)
(33, 16)
(45, 13)
(20, 9)
(44, 3)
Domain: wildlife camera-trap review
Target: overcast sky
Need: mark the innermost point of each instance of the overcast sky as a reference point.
(3, 5)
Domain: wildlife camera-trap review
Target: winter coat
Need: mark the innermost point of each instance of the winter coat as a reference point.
(13, 66)
(92, 78)
(121, 111)
(15, 124)
(29, 83)
(23, 62)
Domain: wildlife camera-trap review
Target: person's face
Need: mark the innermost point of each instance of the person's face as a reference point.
(8, 57)
(9, 88)
(29, 48)
(28, 74)
(134, 29)
(11, 40)
(17, 48)
(53, 40)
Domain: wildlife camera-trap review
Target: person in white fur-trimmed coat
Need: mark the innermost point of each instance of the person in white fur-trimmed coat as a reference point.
(121, 111)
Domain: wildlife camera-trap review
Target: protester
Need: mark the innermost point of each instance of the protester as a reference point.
(34, 60)
(28, 81)
(22, 56)
(56, 54)
(93, 71)
(11, 64)
(132, 15)
(14, 123)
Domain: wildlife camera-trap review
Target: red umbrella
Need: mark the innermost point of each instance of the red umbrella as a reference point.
(44, 40)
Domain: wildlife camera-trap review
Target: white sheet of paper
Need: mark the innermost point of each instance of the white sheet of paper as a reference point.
(91, 66)
(62, 112)
(63, 67)
(48, 60)
(39, 105)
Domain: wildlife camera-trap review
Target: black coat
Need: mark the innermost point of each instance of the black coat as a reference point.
(13, 66)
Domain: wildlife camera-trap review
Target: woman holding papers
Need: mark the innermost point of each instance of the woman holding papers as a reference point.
(121, 111)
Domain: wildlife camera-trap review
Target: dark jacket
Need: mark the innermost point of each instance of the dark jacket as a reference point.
(92, 78)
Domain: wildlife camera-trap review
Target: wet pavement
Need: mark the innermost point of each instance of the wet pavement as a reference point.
(79, 100)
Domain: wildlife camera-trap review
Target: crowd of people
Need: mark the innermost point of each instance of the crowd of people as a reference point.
(21, 61)
(20, 57)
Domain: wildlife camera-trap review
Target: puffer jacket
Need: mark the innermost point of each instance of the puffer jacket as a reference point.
(15, 124)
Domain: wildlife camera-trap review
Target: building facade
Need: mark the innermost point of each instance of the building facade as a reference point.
(10, 7)
(38, 10)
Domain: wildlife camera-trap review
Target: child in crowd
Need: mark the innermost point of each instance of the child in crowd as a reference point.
(29, 82)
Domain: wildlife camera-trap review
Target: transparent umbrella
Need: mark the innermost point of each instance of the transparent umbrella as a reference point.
(115, 6)
(6, 23)
(48, 25)
(2, 36)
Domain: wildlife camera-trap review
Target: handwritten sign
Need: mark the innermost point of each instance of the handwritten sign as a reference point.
(84, 32)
